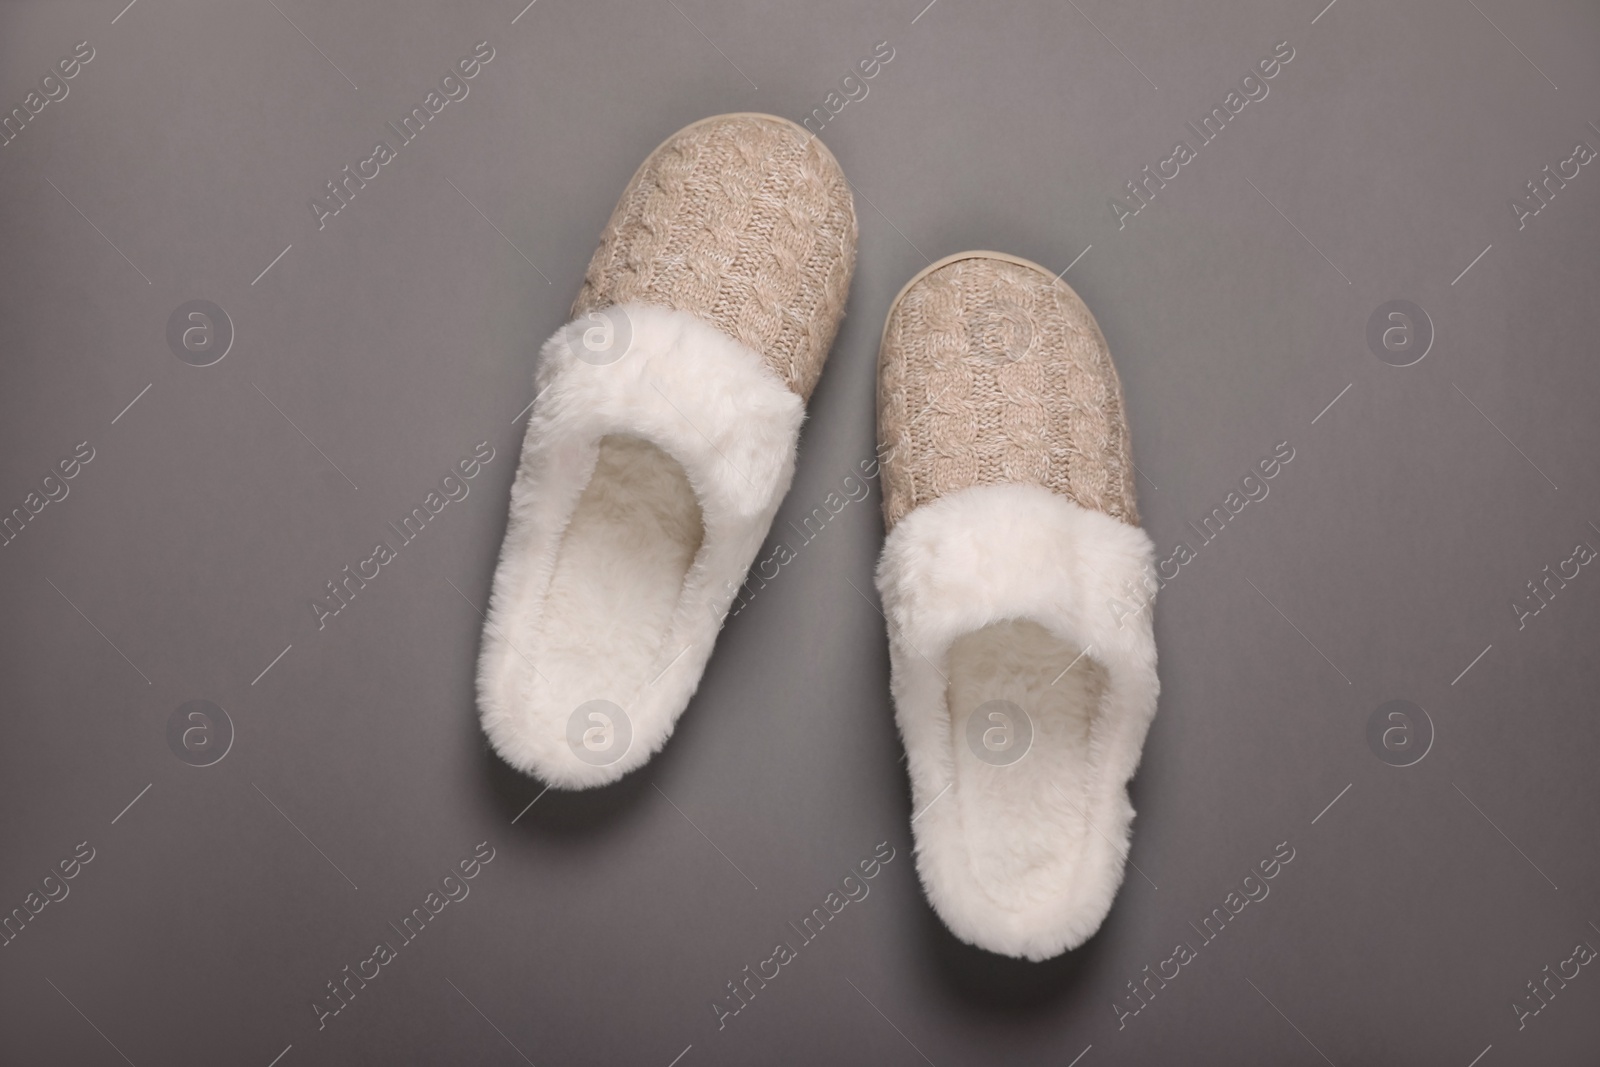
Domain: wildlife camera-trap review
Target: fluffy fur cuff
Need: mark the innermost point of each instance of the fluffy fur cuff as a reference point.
(646, 485)
(999, 599)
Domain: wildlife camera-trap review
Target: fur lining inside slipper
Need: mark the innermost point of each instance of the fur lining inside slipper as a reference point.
(1023, 701)
(647, 484)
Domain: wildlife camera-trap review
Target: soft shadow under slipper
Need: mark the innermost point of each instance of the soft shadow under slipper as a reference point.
(1022, 696)
(661, 442)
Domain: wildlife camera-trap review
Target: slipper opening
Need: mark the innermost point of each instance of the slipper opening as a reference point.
(1024, 707)
(618, 577)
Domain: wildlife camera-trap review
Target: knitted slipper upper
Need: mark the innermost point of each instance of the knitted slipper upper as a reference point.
(745, 221)
(993, 372)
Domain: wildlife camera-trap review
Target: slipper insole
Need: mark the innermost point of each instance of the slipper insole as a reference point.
(618, 576)
(1023, 766)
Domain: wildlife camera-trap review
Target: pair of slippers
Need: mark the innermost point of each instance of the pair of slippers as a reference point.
(663, 439)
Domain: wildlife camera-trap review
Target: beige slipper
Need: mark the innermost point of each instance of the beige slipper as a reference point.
(1022, 697)
(661, 442)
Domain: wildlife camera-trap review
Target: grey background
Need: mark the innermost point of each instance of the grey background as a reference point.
(185, 557)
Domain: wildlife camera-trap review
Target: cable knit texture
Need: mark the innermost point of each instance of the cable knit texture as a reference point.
(993, 372)
(745, 221)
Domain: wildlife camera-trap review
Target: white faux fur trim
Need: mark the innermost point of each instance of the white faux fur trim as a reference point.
(624, 628)
(1008, 861)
